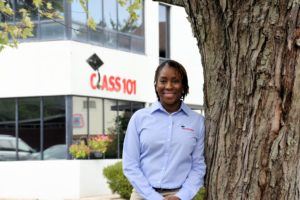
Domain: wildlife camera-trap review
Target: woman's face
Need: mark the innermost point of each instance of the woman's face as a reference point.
(169, 88)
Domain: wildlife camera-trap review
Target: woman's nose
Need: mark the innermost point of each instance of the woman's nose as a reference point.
(169, 84)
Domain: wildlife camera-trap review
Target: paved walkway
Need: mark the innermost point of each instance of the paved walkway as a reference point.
(104, 197)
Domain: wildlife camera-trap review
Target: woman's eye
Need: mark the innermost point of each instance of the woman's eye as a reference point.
(162, 81)
(175, 81)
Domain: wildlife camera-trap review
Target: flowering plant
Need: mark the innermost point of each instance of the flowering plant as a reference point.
(99, 143)
(79, 151)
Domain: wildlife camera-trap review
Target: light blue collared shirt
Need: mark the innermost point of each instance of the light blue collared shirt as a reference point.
(165, 150)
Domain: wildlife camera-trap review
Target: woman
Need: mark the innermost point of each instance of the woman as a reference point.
(164, 144)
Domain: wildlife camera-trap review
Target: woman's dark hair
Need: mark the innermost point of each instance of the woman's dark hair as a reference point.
(180, 69)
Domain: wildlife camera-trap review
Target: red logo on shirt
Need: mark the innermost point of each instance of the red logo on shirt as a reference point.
(187, 129)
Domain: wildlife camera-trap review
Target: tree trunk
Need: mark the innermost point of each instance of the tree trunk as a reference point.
(251, 67)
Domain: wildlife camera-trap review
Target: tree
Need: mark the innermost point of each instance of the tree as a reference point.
(250, 55)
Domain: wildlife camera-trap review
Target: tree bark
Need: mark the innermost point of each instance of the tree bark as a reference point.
(251, 67)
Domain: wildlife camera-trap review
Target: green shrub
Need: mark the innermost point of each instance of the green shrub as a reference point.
(79, 151)
(200, 195)
(117, 182)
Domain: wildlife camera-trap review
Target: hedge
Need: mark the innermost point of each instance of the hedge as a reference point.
(119, 184)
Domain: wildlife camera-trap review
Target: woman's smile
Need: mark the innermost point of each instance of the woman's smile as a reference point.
(169, 88)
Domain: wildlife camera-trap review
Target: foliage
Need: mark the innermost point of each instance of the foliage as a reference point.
(117, 182)
(99, 143)
(200, 195)
(79, 151)
(11, 32)
(118, 130)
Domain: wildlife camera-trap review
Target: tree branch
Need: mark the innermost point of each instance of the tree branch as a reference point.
(173, 2)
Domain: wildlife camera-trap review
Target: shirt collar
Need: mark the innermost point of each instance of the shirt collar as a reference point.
(157, 106)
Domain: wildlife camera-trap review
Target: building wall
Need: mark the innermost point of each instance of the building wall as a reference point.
(60, 68)
(185, 50)
(54, 180)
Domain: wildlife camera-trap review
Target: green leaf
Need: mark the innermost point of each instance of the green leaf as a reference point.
(91, 23)
(49, 6)
(37, 3)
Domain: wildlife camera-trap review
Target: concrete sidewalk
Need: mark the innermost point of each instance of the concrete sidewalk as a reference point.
(104, 197)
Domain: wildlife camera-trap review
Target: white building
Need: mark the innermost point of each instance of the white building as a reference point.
(49, 93)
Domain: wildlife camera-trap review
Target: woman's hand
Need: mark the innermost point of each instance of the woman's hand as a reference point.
(171, 197)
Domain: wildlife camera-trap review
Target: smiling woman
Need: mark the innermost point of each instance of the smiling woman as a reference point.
(171, 84)
(164, 144)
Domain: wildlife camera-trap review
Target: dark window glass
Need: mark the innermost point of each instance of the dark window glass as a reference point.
(110, 115)
(29, 126)
(54, 128)
(7, 130)
(164, 31)
(119, 113)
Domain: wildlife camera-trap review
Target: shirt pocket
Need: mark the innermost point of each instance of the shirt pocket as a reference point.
(152, 137)
(184, 136)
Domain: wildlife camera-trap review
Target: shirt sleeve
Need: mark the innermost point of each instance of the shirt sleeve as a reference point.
(195, 178)
(131, 163)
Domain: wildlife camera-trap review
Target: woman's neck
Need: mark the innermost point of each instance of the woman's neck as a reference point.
(172, 108)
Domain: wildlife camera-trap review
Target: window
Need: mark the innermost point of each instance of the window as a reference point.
(80, 118)
(96, 11)
(29, 123)
(53, 28)
(54, 137)
(79, 22)
(44, 28)
(96, 117)
(7, 129)
(41, 125)
(164, 32)
(110, 14)
(28, 5)
(114, 29)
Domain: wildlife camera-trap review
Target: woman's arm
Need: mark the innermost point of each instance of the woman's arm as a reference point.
(195, 178)
(131, 163)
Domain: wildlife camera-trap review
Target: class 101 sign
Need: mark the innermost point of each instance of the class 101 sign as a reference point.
(113, 84)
